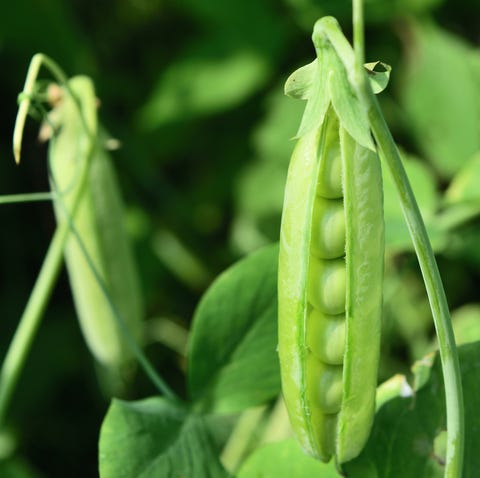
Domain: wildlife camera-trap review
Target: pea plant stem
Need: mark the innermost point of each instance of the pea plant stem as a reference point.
(30, 320)
(433, 283)
(358, 32)
(28, 197)
(33, 313)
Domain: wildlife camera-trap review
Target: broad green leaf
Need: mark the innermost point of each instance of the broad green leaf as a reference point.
(256, 199)
(272, 138)
(466, 323)
(153, 438)
(407, 431)
(285, 459)
(259, 208)
(464, 185)
(406, 313)
(441, 97)
(204, 84)
(462, 198)
(232, 358)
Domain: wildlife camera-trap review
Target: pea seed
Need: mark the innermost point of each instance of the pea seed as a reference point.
(325, 390)
(326, 336)
(328, 228)
(326, 285)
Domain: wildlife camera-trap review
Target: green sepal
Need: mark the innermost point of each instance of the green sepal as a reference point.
(317, 100)
(325, 81)
(378, 74)
(349, 110)
(299, 83)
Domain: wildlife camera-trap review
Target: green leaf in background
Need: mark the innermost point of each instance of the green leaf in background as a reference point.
(204, 83)
(273, 136)
(285, 459)
(462, 198)
(421, 178)
(406, 427)
(17, 468)
(156, 438)
(460, 215)
(464, 185)
(441, 97)
(466, 323)
(406, 315)
(232, 359)
(259, 208)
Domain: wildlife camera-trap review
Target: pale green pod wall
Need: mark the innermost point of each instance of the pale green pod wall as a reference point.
(292, 282)
(99, 223)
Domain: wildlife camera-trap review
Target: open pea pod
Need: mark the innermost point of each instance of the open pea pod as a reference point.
(331, 263)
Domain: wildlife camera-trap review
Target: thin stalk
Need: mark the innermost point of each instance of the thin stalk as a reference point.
(37, 302)
(28, 197)
(30, 320)
(358, 32)
(433, 283)
(24, 98)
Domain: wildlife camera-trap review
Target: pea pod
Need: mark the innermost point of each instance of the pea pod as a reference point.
(98, 223)
(331, 263)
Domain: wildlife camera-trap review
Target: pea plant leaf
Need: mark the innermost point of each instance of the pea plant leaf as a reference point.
(154, 437)
(408, 431)
(285, 459)
(441, 78)
(464, 186)
(258, 208)
(233, 361)
(204, 82)
(466, 323)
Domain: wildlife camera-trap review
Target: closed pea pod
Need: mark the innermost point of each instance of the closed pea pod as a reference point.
(98, 223)
(331, 264)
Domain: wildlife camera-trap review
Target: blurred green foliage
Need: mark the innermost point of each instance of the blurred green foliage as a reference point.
(193, 90)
